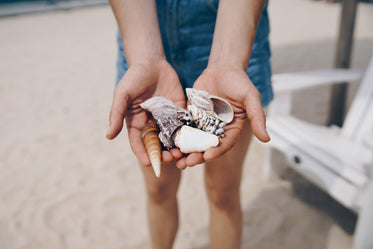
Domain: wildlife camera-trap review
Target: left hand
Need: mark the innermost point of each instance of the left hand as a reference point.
(232, 84)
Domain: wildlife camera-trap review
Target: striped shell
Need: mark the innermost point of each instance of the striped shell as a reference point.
(149, 136)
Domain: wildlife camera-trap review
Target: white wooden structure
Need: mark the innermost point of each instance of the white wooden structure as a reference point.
(338, 160)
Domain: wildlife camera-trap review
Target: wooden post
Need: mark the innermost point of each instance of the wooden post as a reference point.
(342, 60)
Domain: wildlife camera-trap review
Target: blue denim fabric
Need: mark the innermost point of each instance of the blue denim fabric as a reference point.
(187, 29)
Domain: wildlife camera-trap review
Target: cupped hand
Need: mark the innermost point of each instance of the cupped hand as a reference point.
(141, 82)
(232, 84)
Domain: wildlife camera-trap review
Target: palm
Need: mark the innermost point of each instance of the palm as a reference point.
(234, 86)
(138, 84)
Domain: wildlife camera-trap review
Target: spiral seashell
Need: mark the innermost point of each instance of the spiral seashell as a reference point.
(199, 99)
(168, 115)
(149, 136)
(189, 139)
(209, 113)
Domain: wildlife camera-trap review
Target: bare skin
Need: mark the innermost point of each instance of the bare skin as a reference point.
(150, 75)
(225, 75)
(233, 85)
(143, 81)
(162, 208)
(222, 180)
(223, 174)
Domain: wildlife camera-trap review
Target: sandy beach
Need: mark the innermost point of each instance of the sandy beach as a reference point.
(64, 186)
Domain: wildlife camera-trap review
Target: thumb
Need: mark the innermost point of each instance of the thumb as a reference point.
(118, 112)
(255, 114)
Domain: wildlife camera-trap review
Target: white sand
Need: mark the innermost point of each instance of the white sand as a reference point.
(63, 185)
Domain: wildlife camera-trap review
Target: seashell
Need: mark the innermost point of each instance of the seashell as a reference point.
(213, 105)
(189, 139)
(168, 115)
(208, 112)
(222, 109)
(200, 99)
(149, 136)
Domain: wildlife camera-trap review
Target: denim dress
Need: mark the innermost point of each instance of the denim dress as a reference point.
(187, 29)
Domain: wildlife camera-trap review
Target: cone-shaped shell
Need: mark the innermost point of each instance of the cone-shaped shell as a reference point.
(189, 139)
(149, 136)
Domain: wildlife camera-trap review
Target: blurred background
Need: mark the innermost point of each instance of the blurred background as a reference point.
(63, 185)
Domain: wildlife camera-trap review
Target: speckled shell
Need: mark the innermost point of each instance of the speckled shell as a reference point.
(149, 136)
(168, 115)
(212, 105)
(209, 113)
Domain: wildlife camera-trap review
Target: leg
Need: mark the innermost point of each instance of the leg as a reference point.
(222, 178)
(162, 207)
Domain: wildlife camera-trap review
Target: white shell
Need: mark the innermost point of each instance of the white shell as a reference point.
(156, 164)
(189, 139)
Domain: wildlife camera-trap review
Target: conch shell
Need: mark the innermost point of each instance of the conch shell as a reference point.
(149, 136)
(208, 112)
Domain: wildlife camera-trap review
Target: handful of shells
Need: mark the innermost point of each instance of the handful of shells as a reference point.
(195, 129)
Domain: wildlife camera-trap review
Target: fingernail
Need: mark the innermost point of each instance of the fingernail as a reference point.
(108, 134)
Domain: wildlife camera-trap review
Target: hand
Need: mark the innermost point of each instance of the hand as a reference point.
(140, 82)
(232, 84)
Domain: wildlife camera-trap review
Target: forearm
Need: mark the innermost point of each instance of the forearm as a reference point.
(138, 25)
(235, 29)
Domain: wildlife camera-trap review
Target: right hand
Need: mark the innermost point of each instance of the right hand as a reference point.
(141, 82)
(230, 82)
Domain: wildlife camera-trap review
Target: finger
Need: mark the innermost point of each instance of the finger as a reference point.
(226, 143)
(194, 159)
(181, 163)
(255, 114)
(176, 153)
(117, 112)
(167, 157)
(137, 146)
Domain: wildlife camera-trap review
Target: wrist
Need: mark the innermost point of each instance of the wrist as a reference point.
(150, 59)
(144, 53)
(235, 30)
(230, 53)
(153, 66)
(226, 63)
